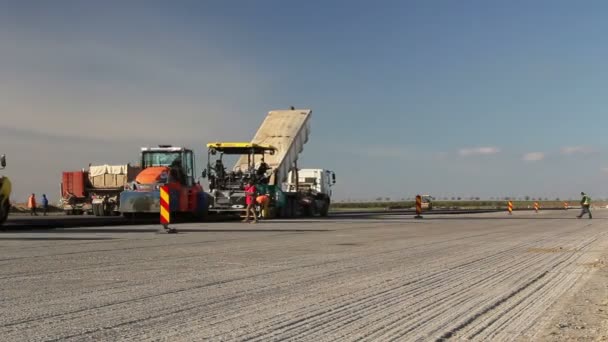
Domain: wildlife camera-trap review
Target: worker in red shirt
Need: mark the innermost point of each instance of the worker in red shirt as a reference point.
(250, 194)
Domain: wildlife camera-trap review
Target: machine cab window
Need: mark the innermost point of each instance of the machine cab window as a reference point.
(179, 160)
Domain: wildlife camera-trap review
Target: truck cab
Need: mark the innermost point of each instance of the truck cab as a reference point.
(314, 180)
(313, 189)
(165, 164)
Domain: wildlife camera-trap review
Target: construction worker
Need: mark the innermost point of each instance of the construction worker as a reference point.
(250, 194)
(262, 204)
(261, 172)
(31, 204)
(45, 204)
(585, 205)
(220, 170)
(177, 172)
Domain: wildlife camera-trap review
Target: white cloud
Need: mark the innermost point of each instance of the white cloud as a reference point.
(576, 149)
(533, 156)
(605, 169)
(486, 150)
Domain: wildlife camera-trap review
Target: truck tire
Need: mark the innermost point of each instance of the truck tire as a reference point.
(285, 210)
(201, 216)
(308, 211)
(96, 209)
(324, 211)
(289, 209)
(293, 208)
(4, 212)
(273, 212)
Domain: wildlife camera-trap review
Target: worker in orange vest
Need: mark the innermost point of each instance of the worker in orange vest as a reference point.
(31, 204)
(262, 205)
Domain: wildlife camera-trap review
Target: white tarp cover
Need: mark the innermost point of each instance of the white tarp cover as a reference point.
(288, 131)
(99, 170)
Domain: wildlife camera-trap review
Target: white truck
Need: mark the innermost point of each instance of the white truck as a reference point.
(312, 188)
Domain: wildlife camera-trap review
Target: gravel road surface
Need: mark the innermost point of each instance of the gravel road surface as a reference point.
(483, 277)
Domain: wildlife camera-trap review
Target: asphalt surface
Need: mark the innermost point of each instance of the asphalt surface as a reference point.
(377, 278)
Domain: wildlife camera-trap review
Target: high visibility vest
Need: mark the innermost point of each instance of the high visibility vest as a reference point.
(586, 200)
(31, 202)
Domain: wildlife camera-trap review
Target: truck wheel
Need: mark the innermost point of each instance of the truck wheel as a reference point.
(201, 215)
(324, 209)
(96, 211)
(4, 212)
(293, 208)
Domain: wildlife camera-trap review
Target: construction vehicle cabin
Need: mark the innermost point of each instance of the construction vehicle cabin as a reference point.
(165, 165)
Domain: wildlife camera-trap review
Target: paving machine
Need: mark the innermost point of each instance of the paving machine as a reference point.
(5, 193)
(165, 165)
(271, 160)
(226, 187)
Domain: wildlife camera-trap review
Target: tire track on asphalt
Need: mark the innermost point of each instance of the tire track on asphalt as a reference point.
(258, 301)
(469, 263)
(333, 310)
(316, 265)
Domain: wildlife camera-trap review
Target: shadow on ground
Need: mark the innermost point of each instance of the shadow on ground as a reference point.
(145, 230)
(55, 238)
(488, 218)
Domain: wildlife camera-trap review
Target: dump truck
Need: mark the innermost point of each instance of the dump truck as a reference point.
(5, 192)
(95, 191)
(170, 166)
(270, 159)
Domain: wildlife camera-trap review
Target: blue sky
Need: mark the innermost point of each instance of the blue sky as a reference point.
(453, 98)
